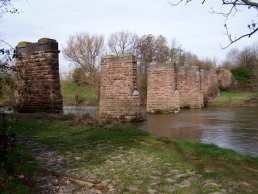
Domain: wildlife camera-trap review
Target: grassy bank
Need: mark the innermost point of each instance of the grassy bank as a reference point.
(235, 99)
(127, 160)
(16, 171)
(86, 96)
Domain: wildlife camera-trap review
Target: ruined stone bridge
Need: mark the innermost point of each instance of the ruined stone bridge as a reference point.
(169, 87)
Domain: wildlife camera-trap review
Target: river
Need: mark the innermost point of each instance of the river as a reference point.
(234, 128)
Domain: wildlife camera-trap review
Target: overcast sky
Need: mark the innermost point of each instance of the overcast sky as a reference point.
(192, 26)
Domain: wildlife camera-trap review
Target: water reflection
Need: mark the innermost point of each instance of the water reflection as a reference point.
(237, 129)
(234, 128)
(173, 126)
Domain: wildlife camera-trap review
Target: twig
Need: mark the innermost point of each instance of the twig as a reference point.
(231, 41)
(7, 44)
(88, 184)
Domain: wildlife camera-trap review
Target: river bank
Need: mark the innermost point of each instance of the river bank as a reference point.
(121, 159)
(234, 99)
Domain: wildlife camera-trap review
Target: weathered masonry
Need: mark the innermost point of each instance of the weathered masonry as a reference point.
(171, 88)
(37, 77)
(209, 79)
(162, 92)
(190, 87)
(119, 98)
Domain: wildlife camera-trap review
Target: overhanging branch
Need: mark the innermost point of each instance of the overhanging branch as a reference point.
(238, 38)
(233, 7)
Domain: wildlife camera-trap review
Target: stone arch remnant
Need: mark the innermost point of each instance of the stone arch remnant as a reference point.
(37, 77)
(119, 97)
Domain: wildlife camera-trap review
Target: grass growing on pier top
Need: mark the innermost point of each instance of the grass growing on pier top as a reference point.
(126, 159)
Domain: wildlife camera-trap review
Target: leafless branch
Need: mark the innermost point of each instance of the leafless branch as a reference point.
(1, 40)
(84, 49)
(231, 40)
(175, 4)
(233, 8)
(122, 42)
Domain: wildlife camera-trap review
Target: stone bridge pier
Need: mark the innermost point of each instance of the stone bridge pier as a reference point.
(162, 92)
(37, 77)
(189, 81)
(171, 88)
(119, 98)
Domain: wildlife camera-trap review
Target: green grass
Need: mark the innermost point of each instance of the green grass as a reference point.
(19, 163)
(225, 94)
(233, 99)
(69, 90)
(124, 154)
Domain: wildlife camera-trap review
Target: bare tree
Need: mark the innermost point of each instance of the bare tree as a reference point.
(7, 52)
(122, 42)
(145, 52)
(191, 59)
(232, 56)
(248, 57)
(7, 139)
(84, 50)
(161, 50)
(175, 52)
(150, 49)
(232, 7)
(244, 66)
(6, 7)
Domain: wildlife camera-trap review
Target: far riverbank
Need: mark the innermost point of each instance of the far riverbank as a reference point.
(235, 99)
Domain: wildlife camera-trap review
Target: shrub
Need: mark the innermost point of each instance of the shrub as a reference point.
(6, 84)
(79, 77)
(142, 88)
(7, 140)
(242, 75)
(79, 99)
(212, 92)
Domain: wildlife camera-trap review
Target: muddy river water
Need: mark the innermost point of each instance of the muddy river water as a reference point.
(234, 128)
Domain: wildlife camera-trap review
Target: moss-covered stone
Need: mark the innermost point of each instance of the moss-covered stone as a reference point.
(23, 44)
(117, 56)
(45, 41)
(108, 56)
(37, 84)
